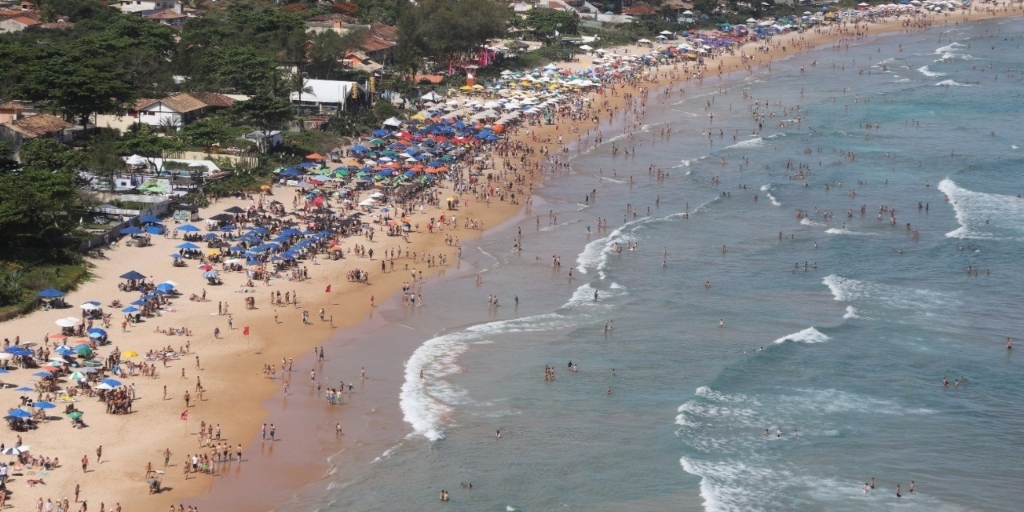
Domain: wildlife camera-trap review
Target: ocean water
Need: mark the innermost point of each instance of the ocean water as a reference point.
(845, 356)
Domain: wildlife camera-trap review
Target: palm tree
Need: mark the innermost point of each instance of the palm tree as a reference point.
(298, 84)
(170, 124)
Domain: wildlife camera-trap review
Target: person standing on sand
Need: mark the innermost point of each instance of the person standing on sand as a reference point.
(85, 463)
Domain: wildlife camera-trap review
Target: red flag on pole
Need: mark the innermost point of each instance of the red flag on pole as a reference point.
(184, 415)
(328, 289)
(245, 331)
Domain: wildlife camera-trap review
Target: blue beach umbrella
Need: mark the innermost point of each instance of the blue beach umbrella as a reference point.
(130, 309)
(50, 293)
(111, 382)
(44, 405)
(176, 256)
(64, 350)
(188, 245)
(131, 230)
(24, 389)
(132, 276)
(188, 228)
(18, 413)
(42, 375)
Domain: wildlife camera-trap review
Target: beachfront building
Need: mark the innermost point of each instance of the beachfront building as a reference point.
(147, 7)
(38, 126)
(177, 110)
(327, 95)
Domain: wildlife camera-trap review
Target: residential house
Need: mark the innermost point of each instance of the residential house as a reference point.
(147, 7)
(169, 17)
(176, 110)
(17, 23)
(380, 42)
(359, 61)
(14, 110)
(20, 131)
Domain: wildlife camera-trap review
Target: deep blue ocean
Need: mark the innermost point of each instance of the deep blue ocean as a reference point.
(826, 318)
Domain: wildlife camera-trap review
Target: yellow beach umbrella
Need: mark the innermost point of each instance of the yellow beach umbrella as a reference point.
(129, 353)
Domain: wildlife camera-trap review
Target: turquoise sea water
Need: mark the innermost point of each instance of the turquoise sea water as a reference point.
(849, 353)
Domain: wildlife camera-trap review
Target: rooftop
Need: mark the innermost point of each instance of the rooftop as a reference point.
(38, 125)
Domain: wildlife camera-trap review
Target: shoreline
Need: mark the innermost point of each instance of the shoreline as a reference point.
(241, 410)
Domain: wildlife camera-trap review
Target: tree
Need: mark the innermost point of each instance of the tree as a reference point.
(206, 132)
(141, 140)
(449, 30)
(240, 69)
(34, 199)
(299, 85)
(101, 157)
(545, 22)
(78, 79)
(265, 112)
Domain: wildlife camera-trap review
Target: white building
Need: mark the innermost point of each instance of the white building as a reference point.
(147, 7)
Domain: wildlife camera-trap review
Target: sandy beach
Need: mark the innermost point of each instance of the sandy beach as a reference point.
(237, 396)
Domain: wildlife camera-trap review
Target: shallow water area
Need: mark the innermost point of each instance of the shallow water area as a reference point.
(762, 360)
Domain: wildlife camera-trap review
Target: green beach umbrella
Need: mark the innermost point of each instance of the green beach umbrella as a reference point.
(75, 415)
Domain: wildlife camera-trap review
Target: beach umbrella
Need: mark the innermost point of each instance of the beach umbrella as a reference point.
(92, 304)
(130, 309)
(64, 350)
(24, 389)
(3, 371)
(84, 351)
(67, 322)
(188, 246)
(87, 369)
(42, 375)
(16, 450)
(50, 293)
(111, 382)
(131, 230)
(75, 415)
(129, 353)
(44, 405)
(212, 274)
(98, 334)
(77, 376)
(221, 217)
(165, 287)
(235, 209)
(188, 228)
(205, 266)
(132, 276)
(18, 413)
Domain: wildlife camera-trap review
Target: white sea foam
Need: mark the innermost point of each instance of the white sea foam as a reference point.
(887, 296)
(747, 144)
(949, 48)
(595, 254)
(900, 80)
(851, 312)
(808, 335)
(952, 83)
(1004, 213)
(844, 231)
(808, 222)
(929, 73)
(428, 404)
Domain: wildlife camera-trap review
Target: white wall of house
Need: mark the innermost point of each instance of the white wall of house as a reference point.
(145, 7)
(155, 115)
